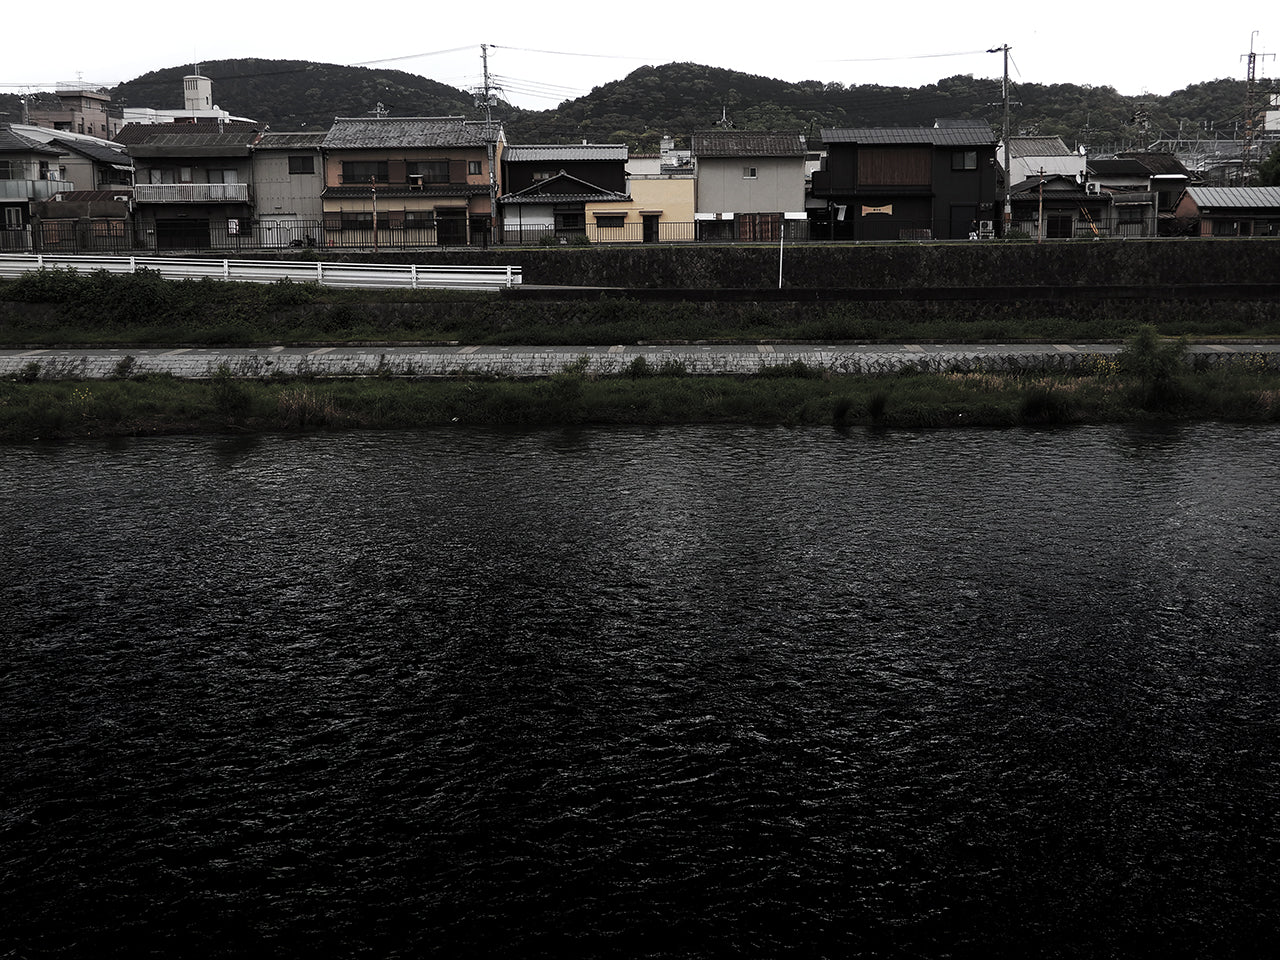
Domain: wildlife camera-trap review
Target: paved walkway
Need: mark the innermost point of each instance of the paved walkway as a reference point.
(454, 360)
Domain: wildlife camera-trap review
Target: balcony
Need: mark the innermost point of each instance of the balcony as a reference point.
(191, 193)
(32, 189)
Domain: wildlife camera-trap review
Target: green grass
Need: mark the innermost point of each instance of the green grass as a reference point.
(71, 410)
(58, 307)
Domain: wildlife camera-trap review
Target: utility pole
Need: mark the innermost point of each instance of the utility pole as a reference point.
(1008, 203)
(486, 98)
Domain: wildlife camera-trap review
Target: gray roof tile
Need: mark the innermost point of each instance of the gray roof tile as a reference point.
(374, 133)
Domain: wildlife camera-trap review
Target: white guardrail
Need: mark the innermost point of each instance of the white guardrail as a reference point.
(411, 277)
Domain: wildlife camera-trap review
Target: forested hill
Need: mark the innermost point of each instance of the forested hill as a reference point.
(679, 98)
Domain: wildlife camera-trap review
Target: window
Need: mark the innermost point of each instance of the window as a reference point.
(362, 171)
(539, 175)
(223, 176)
(428, 171)
(748, 173)
(610, 219)
(299, 165)
(473, 168)
(13, 218)
(420, 219)
(10, 170)
(964, 160)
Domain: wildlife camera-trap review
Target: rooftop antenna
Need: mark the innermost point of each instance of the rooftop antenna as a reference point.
(724, 120)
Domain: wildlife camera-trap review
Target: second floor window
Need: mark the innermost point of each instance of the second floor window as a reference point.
(428, 171)
(303, 164)
(964, 160)
(362, 171)
(748, 173)
(473, 168)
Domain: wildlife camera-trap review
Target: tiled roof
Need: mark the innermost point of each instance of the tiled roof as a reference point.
(1158, 163)
(1038, 147)
(1054, 184)
(747, 143)
(11, 142)
(1238, 197)
(169, 135)
(1127, 167)
(290, 141)
(526, 152)
(100, 152)
(383, 132)
(545, 191)
(976, 135)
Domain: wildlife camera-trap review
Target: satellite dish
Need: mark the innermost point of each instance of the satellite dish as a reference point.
(1079, 178)
(1082, 149)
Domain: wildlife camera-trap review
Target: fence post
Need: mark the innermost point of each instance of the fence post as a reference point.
(226, 269)
(319, 273)
(133, 264)
(510, 282)
(413, 273)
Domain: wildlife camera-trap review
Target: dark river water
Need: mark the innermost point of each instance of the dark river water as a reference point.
(695, 692)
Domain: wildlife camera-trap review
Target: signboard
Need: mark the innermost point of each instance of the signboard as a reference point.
(887, 208)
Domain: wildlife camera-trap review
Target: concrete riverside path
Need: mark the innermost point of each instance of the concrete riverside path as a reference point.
(454, 360)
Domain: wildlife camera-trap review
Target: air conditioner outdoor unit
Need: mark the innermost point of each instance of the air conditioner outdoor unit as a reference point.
(987, 226)
(1093, 188)
(122, 197)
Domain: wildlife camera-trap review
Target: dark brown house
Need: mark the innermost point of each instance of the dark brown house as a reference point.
(908, 183)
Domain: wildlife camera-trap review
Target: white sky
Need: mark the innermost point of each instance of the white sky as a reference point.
(544, 53)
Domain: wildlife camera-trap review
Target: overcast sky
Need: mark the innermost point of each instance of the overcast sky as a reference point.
(543, 53)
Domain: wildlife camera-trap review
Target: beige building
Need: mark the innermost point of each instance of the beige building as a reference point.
(410, 180)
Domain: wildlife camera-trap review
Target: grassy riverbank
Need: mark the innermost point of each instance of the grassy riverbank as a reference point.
(1150, 381)
(54, 308)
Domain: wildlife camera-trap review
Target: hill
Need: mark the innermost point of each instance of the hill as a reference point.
(680, 98)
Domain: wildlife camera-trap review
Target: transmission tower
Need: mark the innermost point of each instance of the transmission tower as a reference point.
(1251, 109)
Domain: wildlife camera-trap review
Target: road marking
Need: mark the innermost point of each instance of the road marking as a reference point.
(31, 353)
(176, 353)
(1065, 348)
(913, 348)
(277, 349)
(469, 349)
(321, 350)
(617, 348)
(765, 348)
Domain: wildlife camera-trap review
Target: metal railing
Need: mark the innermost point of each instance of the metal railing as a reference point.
(191, 193)
(369, 275)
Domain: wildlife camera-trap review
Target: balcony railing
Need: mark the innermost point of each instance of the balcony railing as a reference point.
(191, 193)
(32, 189)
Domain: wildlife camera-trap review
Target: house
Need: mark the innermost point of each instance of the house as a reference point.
(428, 180)
(1057, 206)
(1129, 175)
(748, 184)
(566, 191)
(1231, 211)
(28, 172)
(192, 186)
(288, 180)
(77, 109)
(86, 163)
(906, 183)
(1036, 156)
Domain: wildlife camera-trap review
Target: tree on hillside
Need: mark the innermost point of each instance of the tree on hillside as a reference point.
(1269, 169)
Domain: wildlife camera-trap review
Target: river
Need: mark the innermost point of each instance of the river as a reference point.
(685, 692)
